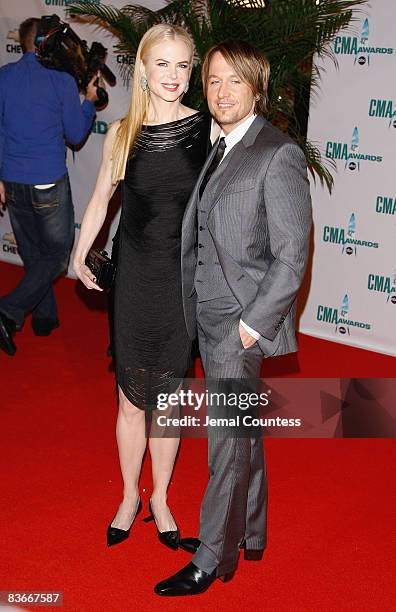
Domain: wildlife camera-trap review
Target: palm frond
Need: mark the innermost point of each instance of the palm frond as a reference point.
(128, 31)
(318, 168)
(289, 33)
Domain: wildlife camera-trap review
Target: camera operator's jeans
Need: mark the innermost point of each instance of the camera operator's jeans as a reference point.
(43, 224)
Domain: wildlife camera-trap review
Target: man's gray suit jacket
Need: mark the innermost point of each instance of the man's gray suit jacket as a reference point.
(260, 220)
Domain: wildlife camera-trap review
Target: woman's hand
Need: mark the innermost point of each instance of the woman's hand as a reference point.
(95, 213)
(85, 275)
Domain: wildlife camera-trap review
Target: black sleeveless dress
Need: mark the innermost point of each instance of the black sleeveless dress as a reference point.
(152, 347)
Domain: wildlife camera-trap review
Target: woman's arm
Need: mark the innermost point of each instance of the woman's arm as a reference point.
(96, 211)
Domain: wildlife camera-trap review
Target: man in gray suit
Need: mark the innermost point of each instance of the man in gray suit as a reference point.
(245, 243)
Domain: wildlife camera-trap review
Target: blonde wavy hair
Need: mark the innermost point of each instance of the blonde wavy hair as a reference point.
(131, 125)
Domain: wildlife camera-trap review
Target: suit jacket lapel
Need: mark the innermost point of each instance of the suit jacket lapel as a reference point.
(192, 203)
(238, 156)
(236, 160)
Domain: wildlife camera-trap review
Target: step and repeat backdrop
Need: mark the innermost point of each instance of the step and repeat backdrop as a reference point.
(352, 294)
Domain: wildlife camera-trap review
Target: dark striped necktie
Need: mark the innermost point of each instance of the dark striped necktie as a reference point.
(214, 163)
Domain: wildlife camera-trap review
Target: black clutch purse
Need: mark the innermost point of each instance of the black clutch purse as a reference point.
(102, 267)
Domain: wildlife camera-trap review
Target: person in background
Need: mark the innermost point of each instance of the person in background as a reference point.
(40, 109)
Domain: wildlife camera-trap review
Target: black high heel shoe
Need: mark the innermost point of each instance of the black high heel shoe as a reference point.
(169, 538)
(115, 535)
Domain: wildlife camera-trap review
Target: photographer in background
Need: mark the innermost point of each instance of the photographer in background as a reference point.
(39, 109)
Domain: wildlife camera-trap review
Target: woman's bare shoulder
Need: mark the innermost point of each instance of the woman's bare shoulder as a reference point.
(111, 134)
(113, 127)
(188, 112)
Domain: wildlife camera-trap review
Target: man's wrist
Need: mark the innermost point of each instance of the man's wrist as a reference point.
(250, 331)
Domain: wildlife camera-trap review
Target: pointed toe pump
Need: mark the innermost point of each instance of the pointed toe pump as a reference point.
(115, 535)
(170, 539)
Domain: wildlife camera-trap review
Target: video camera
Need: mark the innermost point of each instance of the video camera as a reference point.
(59, 47)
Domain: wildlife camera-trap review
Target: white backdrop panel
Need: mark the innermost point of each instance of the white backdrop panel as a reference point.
(353, 120)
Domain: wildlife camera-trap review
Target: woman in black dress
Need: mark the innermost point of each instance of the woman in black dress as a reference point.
(157, 151)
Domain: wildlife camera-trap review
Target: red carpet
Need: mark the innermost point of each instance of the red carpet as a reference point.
(331, 510)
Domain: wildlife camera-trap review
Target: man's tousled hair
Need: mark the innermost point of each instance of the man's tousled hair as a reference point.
(27, 29)
(249, 64)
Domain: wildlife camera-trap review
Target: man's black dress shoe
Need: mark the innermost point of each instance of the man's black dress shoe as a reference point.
(252, 554)
(43, 327)
(189, 581)
(7, 330)
(191, 545)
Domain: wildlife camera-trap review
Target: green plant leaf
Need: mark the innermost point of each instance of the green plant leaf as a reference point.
(289, 32)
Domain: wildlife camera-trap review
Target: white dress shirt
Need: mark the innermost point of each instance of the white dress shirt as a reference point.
(236, 134)
(231, 140)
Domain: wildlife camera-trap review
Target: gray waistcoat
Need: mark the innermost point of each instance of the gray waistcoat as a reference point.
(209, 281)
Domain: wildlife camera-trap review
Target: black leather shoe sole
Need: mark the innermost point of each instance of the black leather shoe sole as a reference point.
(6, 342)
(180, 592)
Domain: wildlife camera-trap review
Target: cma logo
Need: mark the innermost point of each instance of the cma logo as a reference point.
(125, 58)
(100, 127)
(383, 284)
(350, 154)
(385, 205)
(11, 247)
(360, 47)
(347, 237)
(14, 47)
(339, 317)
(384, 109)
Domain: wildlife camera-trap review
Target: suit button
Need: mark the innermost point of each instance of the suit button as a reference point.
(200, 263)
(201, 228)
(200, 246)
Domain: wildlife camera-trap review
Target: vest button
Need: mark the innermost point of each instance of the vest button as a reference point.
(200, 246)
(200, 263)
(201, 228)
